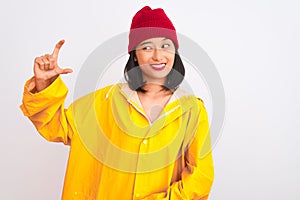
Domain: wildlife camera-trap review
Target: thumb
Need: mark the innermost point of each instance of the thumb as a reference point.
(64, 71)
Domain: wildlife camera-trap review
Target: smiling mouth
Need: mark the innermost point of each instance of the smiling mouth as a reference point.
(158, 67)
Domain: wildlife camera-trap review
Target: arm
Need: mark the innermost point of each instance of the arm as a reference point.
(43, 98)
(46, 111)
(198, 173)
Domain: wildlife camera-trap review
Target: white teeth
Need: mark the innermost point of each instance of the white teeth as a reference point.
(158, 66)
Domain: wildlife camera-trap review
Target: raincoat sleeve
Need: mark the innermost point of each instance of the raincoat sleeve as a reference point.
(198, 172)
(46, 111)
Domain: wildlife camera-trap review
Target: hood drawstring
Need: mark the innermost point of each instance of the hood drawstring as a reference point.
(107, 94)
(169, 112)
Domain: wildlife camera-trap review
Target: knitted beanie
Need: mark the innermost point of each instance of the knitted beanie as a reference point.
(148, 23)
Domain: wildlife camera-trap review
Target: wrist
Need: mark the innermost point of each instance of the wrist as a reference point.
(41, 84)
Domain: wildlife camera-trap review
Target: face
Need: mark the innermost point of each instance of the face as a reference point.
(155, 57)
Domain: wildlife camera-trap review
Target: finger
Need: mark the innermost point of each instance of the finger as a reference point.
(40, 63)
(46, 62)
(57, 48)
(36, 64)
(52, 63)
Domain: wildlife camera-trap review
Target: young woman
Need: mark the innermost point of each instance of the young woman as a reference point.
(146, 139)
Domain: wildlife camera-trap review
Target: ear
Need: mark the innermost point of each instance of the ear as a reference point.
(134, 58)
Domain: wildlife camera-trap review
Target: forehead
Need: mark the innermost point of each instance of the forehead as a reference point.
(155, 40)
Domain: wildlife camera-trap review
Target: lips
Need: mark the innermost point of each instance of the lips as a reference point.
(158, 66)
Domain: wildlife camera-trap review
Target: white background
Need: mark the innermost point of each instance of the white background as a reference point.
(254, 44)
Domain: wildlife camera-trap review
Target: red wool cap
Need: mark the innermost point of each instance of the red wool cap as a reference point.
(148, 23)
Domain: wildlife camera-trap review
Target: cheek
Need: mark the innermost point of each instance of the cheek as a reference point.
(171, 60)
(142, 59)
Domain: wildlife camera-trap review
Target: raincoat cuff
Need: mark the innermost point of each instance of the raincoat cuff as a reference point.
(33, 102)
(29, 87)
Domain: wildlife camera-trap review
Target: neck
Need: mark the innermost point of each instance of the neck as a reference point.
(153, 88)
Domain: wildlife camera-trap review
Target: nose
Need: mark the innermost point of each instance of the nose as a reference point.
(157, 54)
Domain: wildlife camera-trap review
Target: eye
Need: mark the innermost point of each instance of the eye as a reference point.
(147, 48)
(164, 46)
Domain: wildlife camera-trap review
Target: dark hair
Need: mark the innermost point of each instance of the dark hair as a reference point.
(134, 78)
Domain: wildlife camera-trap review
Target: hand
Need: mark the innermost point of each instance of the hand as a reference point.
(46, 69)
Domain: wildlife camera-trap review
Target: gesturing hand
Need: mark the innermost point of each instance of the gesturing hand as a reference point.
(46, 68)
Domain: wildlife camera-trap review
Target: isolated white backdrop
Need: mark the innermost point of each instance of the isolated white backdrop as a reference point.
(254, 45)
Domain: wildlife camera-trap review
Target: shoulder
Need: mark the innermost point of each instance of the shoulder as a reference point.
(189, 99)
(101, 94)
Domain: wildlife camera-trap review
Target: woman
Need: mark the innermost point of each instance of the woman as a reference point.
(140, 140)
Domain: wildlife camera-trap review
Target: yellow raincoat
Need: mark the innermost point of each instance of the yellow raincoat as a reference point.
(116, 153)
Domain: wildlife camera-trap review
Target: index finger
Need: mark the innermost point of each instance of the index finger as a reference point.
(57, 48)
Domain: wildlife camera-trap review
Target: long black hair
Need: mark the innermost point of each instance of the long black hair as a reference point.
(134, 78)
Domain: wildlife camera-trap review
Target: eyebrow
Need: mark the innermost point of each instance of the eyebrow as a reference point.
(151, 42)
